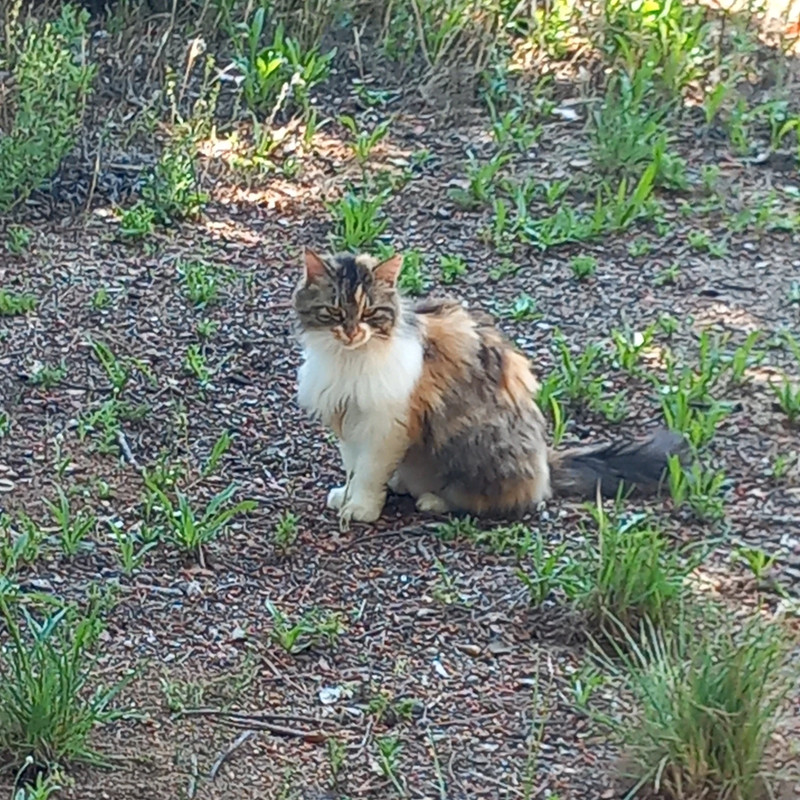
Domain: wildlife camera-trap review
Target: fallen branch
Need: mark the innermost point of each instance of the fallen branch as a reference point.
(262, 722)
(225, 754)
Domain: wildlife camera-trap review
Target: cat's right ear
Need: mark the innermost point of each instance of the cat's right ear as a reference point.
(389, 271)
(313, 266)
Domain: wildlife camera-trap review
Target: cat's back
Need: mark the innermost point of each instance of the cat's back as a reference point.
(463, 346)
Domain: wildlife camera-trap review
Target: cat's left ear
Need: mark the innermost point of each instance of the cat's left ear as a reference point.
(313, 266)
(388, 271)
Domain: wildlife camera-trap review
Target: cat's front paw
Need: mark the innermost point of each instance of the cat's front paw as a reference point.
(355, 510)
(336, 497)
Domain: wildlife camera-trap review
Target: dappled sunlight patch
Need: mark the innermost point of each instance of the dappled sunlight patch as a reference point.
(720, 314)
(230, 231)
(281, 194)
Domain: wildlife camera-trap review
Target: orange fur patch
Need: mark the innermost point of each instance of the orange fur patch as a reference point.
(451, 342)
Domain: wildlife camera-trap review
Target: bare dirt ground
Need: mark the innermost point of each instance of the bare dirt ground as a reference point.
(439, 650)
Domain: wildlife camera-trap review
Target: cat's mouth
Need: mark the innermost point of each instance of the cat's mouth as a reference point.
(353, 341)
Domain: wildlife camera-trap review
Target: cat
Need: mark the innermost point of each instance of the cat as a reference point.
(431, 400)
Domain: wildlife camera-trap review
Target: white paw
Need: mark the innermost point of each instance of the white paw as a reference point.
(360, 510)
(336, 497)
(432, 502)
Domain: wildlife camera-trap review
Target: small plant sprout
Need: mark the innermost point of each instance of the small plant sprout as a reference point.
(480, 181)
(15, 303)
(191, 529)
(202, 281)
(364, 142)
(137, 222)
(788, 397)
(18, 239)
(73, 527)
(389, 749)
(551, 570)
(117, 371)
(524, 309)
(101, 299)
(132, 548)
(48, 376)
(286, 531)
(758, 561)
(358, 219)
(452, 268)
(701, 488)
(583, 266)
(668, 276)
(311, 629)
(412, 278)
(196, 365)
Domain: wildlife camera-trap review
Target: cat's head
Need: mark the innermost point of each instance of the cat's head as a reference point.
(353, 298)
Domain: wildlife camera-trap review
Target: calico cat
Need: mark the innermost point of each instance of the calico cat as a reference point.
(431, 400)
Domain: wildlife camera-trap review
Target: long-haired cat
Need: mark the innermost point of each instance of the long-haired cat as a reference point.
(431, 400)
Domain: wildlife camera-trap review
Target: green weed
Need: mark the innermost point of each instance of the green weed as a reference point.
(202, 281)
(707, 694)
(524, 309)
(480, 181)
(452, 268)
(551, 570)
(313, 628)
(757, 560)
(358, 219)
(632, 574)
(132, 548)
(171, 189)
(101, 299)
(191, 529)
(286, 531)
(702, 489)
(16, 303)
(412, 278)
(195, 364)
(18, 239)
(117, 371)
(788, 397)
(137, 221)
(51, 81)
(364, 142)
(47, 376)
(49, 701)
(73, 527)
(20, 542)
(583, 266)
(280, 74)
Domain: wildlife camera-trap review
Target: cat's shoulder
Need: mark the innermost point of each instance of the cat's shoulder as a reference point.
(443, 306)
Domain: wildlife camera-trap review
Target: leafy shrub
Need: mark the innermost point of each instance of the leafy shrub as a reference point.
(51, 85)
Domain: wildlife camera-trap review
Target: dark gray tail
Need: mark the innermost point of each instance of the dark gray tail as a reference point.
(640, 466)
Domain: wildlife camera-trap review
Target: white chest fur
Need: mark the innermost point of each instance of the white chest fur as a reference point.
(376, 379)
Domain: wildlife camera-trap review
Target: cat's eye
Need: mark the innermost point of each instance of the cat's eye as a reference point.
(329, 314)
(379, 315)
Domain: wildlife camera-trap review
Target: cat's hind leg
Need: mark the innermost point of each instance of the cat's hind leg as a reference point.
(432, 503)
(397, 484)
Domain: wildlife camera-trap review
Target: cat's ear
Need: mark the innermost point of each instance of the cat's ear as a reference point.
(388, 271)
(313, 266)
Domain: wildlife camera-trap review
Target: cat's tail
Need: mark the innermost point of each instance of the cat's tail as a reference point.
(638, 465)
